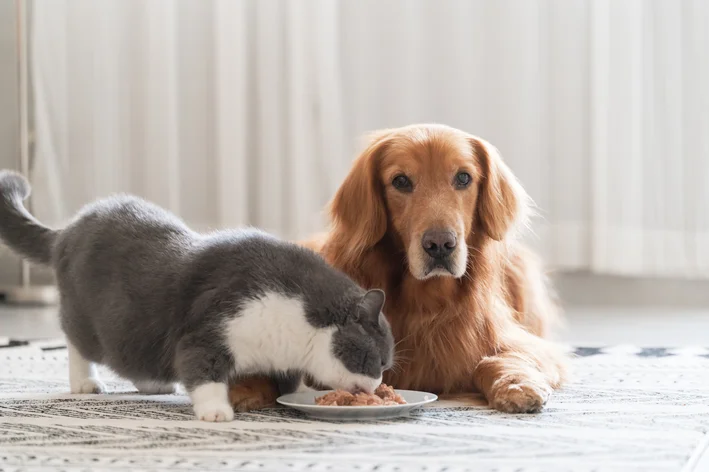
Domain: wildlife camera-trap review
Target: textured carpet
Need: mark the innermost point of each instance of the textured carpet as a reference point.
(628, 409)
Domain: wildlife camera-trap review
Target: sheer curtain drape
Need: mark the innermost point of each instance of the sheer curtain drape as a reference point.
(648, 137)
(249, 111)
(226, 112)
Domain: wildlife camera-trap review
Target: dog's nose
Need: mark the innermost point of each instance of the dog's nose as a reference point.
(438, 243)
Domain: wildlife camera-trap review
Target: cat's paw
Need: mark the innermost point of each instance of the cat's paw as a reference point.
(87, 385)
(211, 402)
(154, 388)
(519, 395)
(214, 411)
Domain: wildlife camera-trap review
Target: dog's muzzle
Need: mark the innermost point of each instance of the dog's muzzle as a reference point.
(439, 245)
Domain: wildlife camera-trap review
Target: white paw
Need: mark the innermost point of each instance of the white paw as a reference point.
(154, 388)
(88, 385)
(214, 411)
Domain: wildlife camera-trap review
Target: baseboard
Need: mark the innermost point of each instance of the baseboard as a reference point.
(589, 289)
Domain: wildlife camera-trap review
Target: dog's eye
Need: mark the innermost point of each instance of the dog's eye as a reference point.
(402, 183)
(462, 179)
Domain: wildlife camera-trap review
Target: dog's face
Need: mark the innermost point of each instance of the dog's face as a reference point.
(430, 192)
(430, 188)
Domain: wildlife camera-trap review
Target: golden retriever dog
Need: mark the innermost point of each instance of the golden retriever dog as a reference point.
(430, 214)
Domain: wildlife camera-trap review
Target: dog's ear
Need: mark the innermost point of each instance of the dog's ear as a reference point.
(357, 211)
(502, 205)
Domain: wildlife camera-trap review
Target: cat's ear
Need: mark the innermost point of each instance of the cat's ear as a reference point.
(371, 305)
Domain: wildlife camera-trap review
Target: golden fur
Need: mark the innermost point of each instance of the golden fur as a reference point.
(478, 325)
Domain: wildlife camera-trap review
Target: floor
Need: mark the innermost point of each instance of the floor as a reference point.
(590, 325)
(643, 326)
(29, 322)
(616, 414)
(628, 409)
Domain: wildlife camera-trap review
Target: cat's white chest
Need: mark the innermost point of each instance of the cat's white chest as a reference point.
(270, 333)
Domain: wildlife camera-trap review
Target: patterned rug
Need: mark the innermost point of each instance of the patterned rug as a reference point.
(629, 409)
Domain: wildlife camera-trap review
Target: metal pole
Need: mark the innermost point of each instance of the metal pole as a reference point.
(24, 115)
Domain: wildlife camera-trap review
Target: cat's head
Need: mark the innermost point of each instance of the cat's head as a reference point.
(358, 349)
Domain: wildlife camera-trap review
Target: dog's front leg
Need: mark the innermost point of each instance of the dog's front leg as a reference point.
(253, 393)
(521, 377)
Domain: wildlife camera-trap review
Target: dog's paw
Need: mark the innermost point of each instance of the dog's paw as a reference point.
(251, 403)
(88, 385)
(253, 394)
(214, 411)
(154, 388)
(519, 395)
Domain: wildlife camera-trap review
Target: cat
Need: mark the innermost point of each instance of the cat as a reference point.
(159, 304)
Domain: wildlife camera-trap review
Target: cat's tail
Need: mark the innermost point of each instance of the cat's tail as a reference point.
(18, 229)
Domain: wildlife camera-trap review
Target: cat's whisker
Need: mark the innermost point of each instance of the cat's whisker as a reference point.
(403, 339)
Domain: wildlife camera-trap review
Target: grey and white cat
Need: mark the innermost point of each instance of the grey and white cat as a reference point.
(158, 303)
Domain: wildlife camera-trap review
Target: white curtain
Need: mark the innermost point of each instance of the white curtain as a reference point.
(226, 112)
(649, 145)
(249, 111)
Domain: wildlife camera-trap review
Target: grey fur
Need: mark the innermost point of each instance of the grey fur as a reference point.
(145, 295)
(20, 230)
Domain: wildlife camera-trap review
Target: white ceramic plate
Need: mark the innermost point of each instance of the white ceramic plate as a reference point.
(305, 402)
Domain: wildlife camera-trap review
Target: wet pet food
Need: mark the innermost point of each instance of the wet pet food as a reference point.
(384, 395)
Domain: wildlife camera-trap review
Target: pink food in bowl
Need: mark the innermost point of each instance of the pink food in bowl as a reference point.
(383, 395)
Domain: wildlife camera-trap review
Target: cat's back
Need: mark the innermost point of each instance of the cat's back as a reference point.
(121, 234)
(126, 215)
(248, 263)
(260, 254)
(120, 219)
